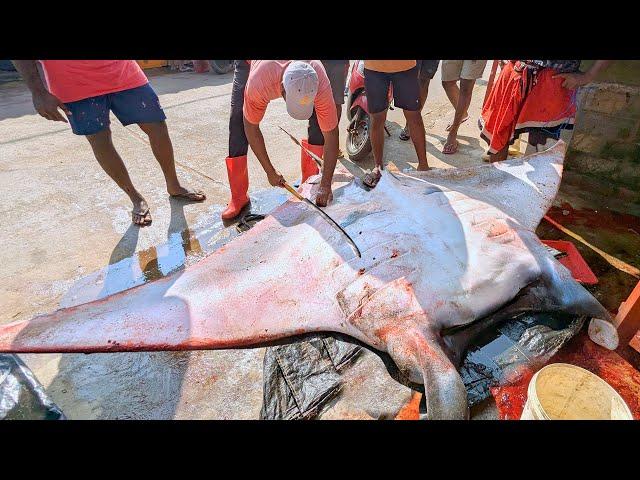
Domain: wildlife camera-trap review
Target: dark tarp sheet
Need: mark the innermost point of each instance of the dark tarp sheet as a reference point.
(529, 339)
(301, 378)
(21, 395)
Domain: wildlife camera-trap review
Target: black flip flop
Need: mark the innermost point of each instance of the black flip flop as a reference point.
(371, 180)
(248, 221)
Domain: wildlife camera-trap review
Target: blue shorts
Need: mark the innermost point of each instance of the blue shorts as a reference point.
(135, 105)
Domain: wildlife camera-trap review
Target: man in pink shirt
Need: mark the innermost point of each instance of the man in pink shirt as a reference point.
(86, 91)
(308, 96)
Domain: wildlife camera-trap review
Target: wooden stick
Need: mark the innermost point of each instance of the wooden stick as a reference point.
(628, 318)
(619, 264)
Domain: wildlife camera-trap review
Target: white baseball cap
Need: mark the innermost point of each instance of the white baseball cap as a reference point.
(300, 82)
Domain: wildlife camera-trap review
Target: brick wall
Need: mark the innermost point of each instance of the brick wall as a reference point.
(606, 138)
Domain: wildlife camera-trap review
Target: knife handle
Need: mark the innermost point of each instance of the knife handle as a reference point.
(293, 191)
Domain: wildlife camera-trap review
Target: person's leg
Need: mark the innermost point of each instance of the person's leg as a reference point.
(464, 100)
(452, 91)
(112, 164)
(236, 162)
(405, 134)
(406, 95)
(377, 137)
(427, 70)
(418, 136)
(451, 74)
(499, 156)
(376, 85)
(238, 143)
(141, 106)
(163, 151)
(336, 71)
(90, 118)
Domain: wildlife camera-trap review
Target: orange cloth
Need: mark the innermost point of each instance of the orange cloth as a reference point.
(265, 84)
(73, 80)
(389, 66)
(521, 101)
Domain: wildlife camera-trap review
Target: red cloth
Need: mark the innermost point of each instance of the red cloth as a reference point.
(73, 80)
(522, 101)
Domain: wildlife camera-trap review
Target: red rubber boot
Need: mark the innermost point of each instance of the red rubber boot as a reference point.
(308, 165)
(239, 183)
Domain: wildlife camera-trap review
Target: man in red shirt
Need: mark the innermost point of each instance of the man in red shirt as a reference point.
(307, 92)
(86, 90)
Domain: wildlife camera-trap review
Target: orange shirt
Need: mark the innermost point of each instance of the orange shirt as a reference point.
(389, 66)
(73, 80)
(265, 83)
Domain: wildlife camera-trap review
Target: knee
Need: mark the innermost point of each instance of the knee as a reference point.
(466, 86)
(378, 118)
(448, 85)
(414, 117)
(101, 138)
(154, 129)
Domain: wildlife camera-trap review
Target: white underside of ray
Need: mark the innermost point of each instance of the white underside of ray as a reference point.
(459, 243)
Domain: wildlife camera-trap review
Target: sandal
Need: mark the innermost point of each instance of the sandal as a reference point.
(450, 148)
(144, 214)
(404, 135)
(198, 196)
(371, 178)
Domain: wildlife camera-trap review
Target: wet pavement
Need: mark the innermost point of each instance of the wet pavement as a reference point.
(67, 239)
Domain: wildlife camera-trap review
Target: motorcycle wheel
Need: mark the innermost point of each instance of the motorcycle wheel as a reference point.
(358, 141)
(221, 66)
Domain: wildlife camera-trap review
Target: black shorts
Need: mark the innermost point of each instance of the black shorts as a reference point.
(406, 91)
(427, 69)
(337, 73)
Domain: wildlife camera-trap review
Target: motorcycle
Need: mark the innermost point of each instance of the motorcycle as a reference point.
(222, 66)
(357, 109)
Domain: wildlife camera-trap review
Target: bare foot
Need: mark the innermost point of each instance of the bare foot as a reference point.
(423, 168)
(490, 158)
(140, 214)
(181, 192)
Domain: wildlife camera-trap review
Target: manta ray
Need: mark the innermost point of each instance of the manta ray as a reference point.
(445, 254)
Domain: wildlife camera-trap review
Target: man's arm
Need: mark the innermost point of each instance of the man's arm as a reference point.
(256, 141)
(330, 160)
(45, 104)
(578, 79)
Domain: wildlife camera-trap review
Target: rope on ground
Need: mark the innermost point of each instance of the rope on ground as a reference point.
(180, 164)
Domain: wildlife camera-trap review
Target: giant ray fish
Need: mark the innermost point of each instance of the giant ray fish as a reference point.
(445, 254)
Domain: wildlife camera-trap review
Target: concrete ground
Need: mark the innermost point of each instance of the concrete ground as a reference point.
(67, 238)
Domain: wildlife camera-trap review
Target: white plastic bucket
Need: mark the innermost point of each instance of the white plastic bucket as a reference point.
(561, 391)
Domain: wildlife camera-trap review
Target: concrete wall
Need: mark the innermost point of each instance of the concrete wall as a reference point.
(606, 139)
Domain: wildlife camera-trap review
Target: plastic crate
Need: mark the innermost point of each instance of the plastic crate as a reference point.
(573, 261)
